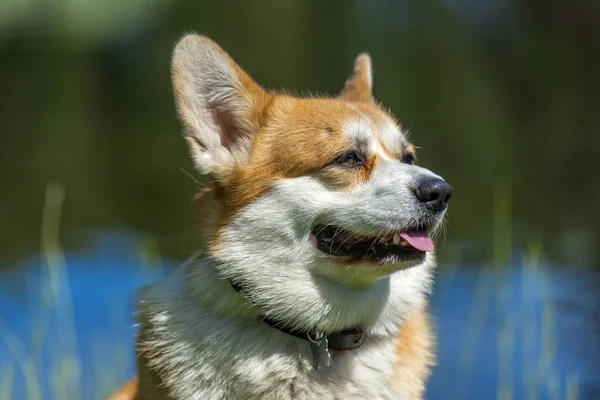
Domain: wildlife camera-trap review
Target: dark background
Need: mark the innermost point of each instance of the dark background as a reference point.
(501, 97)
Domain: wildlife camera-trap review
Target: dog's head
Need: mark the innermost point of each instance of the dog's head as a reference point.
(319, 187)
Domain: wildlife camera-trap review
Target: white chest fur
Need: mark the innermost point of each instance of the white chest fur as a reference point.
(205, 343)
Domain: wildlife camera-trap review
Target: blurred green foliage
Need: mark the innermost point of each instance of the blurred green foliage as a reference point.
(501, 97)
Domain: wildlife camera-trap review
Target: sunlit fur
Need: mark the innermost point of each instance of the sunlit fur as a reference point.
(269, 158)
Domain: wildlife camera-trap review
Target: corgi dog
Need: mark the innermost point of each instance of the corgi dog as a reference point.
(318, 258)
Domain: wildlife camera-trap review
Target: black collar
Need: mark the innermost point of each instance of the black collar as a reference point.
(348, 339)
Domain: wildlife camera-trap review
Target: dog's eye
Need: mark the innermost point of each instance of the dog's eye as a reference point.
(350, 159)
(409, 158)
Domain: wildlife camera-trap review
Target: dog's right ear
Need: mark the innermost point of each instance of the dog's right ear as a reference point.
(359, 87)
(219, 105)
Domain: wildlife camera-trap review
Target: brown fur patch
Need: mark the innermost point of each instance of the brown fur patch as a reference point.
(206, 208)
(359, 87)
(415, 351)
(127, 391)
(300, 137)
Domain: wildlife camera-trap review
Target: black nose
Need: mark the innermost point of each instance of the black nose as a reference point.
(434, 193)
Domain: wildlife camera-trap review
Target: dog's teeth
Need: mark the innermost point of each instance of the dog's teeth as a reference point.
(396, 239)
(404, 243)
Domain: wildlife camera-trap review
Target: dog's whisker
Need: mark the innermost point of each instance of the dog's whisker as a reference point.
(193, 178)
(337, 230)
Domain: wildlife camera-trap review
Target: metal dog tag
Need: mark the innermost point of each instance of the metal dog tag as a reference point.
(321, 353)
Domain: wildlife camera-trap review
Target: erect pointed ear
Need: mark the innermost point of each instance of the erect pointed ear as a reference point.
(219, 105)
(359, 86)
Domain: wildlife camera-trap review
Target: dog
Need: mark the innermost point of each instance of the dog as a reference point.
(318, 257)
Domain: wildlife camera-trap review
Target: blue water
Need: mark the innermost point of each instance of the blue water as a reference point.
(514, 333)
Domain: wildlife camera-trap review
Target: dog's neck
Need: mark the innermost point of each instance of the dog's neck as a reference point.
(195, 325)
(200, 281)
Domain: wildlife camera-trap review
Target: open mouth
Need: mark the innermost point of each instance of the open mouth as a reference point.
(395, 247)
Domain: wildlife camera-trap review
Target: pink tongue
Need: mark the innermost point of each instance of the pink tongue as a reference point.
(420, 240)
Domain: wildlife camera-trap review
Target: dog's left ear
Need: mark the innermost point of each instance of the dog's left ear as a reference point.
(219, 105)
(359, 86)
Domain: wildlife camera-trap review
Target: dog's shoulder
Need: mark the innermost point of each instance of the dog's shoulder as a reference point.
(415, 355)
